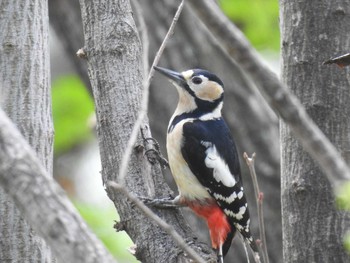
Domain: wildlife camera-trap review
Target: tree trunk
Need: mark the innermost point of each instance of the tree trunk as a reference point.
(113, 52)
(313, 31)
(245, 111)
(25, 97)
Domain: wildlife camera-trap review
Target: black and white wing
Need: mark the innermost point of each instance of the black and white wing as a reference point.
(211, 154)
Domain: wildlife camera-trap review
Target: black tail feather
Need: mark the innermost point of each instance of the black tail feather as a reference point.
(228, 241)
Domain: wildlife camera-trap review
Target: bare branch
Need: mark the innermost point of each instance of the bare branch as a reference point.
(42, 202)
(276, 93)
(156, 219)
(142, 28)
(259, 202)
(144, 103)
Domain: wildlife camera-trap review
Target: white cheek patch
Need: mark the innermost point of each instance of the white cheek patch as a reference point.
(221, 171)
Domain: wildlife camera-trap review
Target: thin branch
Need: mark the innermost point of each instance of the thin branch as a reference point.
(144, 102)
(259, 202)
(166, 227)
(276, 93)
(144, 35)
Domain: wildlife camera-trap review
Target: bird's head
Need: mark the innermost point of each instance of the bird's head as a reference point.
(198, 89)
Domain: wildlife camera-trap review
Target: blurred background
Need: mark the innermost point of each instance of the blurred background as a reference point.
(77, 163)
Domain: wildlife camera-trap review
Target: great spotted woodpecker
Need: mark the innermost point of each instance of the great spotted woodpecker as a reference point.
(204, 161)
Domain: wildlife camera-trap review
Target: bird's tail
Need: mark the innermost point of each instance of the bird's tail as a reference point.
(227, 244)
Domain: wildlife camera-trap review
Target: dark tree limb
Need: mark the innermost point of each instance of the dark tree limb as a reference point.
(65, 18)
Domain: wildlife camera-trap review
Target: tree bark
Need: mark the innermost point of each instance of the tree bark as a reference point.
(114, 60)
(43, 203)
(25, 97)
(313, 31)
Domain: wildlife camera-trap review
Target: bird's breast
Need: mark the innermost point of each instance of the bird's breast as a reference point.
(189, 186)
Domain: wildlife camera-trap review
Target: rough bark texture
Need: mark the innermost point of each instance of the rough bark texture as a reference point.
(25, 97)
(114, 62)
(313, 31)
(43, 203)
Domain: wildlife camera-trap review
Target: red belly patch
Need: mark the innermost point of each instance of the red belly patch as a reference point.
(217, 221)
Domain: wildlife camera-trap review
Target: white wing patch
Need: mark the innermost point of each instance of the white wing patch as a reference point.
(228, 200)
(221, 171)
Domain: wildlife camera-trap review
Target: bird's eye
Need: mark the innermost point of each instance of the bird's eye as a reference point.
(197, 80)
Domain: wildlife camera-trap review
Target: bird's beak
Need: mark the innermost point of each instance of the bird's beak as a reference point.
(172, 75)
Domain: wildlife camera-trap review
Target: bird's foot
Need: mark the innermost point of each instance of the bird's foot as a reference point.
(152, 150)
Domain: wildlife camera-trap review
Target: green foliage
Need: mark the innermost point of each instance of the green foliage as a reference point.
(343, 202)
(347, 242)
(101, 221)
(258, 19)
(343, 197)
(71, 107)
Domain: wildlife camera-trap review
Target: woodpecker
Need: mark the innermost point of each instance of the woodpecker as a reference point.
(204, 161)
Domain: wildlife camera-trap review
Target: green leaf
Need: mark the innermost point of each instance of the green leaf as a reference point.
(258, 19)
(347, 242)
(72, 106)
(343, 197)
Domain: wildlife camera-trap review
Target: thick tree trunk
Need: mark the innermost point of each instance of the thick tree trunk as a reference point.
(25, 97)
(313, 31)
(113, 52)
(253, 124)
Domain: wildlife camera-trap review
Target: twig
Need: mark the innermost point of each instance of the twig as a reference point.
(259, 201)
(278, 96)
(245, 249)
(144, 102)
(166, 227)
(144, 35)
